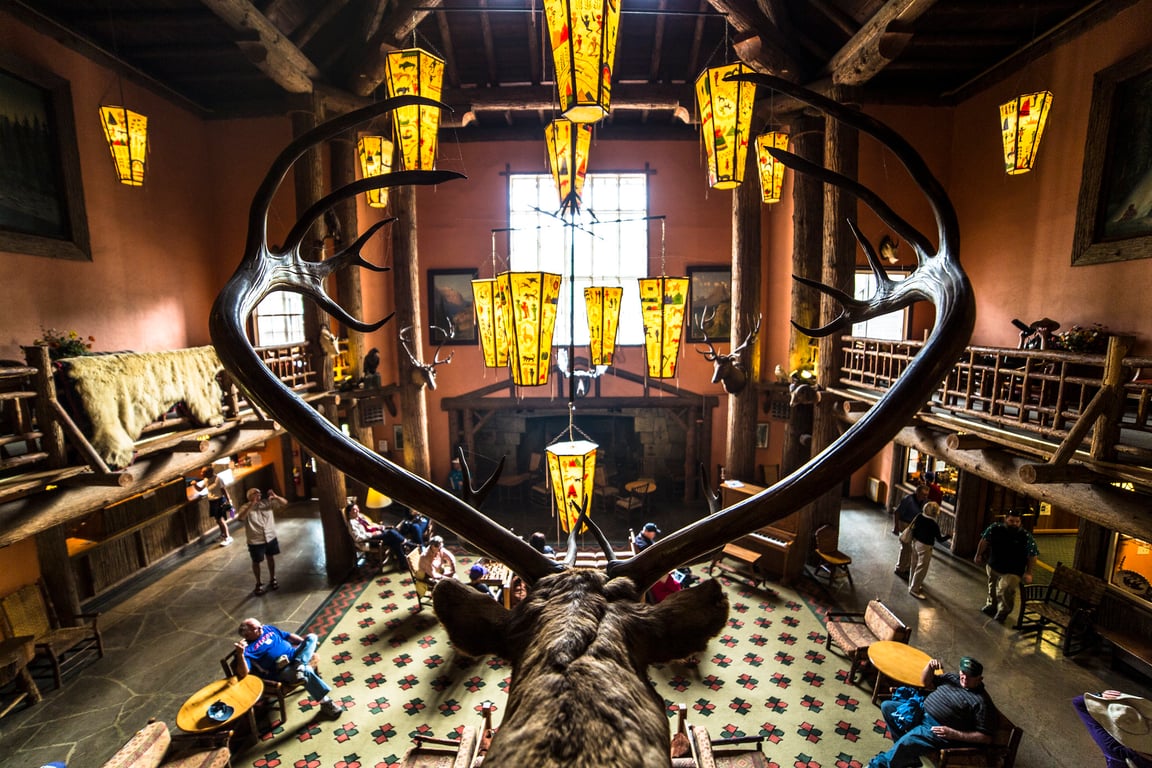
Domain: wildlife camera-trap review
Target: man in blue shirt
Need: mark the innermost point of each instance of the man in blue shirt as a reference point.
(273, 654)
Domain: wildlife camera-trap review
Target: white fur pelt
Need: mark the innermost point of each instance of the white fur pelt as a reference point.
(123, 393)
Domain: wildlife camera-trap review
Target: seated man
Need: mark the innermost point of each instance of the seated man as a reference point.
(646, 537)
(364, 530)
(273, 654)
(413, 526)
(437, 563)
(956, 711)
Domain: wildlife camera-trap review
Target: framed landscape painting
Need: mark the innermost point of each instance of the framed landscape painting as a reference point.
(709, 303)
(450, 306)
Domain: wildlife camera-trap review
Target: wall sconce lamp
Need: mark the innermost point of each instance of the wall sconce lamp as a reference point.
(127, 135)
(1022, 124)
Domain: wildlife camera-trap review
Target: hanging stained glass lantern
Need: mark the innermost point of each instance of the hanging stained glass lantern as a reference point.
(582, 35)
(568, 145)
(771, 169)
(725, 120)
(490, 306)
(531, 299)
(571, 472)
(415, 72)
(127, 135)
(1022, 123)
(375, 160)
(603, 305)
(662, 304)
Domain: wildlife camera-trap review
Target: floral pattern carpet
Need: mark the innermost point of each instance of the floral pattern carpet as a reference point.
(394, 671)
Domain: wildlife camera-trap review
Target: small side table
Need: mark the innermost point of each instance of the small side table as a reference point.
(897, 662)
(15, 654)
(241, 695)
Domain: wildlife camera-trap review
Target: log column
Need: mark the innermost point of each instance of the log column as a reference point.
(406, 268)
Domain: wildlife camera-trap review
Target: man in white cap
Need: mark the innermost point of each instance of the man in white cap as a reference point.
(1121, 725)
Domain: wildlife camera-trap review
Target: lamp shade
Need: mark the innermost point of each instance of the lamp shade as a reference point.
(532, 299)
(725, 120)
(662, 303)
(571, 472)
(377, 500)
(568, 145)
(603, 305)
(1022, 124)
(582, 35)
(490, 306)
(127, 135)
(771, 169)
(375, 160)
(415, 72)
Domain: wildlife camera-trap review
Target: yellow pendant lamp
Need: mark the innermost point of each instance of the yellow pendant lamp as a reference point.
(490, 306)
(771, 169)
(531, 299)
(582, 35)
(127, 135)
(662, 304)
(1022, 124)
(375, 160)
(603, 305)
(415, 72)
(572, 472)
(568, 145)
(725, 119)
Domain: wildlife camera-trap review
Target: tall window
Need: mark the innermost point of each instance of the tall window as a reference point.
(279, 319)
(610, 244)
(889, 327)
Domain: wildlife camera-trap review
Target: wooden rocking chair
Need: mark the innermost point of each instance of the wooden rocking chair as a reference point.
(28, 611)
(276, 692)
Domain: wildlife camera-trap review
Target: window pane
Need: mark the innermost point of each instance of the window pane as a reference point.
(889, 327)
(279, 319)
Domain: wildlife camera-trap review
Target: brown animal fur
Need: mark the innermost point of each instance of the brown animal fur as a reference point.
(124, 393)
(580, 647)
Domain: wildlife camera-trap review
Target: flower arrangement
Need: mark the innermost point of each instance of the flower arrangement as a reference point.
(1093, 339)
(64, 343)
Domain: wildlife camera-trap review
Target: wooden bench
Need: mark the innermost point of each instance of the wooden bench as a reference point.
(854, 632)
(999, 753)
(1129, 648)
(1068, 604)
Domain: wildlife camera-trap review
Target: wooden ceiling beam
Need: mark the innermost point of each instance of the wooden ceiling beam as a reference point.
(535, 63)
(489, 44)
(316, 21)
(657, 44)
(273, 54)
(878, 43)
(394, 28)
(451, 73)
(697, 40)
(770, 53)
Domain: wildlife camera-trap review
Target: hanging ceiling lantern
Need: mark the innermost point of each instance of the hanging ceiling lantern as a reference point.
(531, 299)
(375, 160)
(603, 305)
(725, 119)
(490, 306)
(771, 169)
(568, 145)
(582, 36)
(415, 72)
(662, 303)
(571, 471)
(1022, 124)
(127, 135)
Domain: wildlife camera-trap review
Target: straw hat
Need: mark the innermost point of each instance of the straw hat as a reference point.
(1127, 718)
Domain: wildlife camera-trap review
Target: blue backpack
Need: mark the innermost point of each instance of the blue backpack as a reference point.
(910, 710)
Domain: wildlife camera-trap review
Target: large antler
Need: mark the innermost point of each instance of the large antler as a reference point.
(264, 270)
(938, 278)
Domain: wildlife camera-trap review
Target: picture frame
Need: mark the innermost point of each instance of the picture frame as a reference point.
(41, 193)
(710, 297)
(398, 438)
(762, 434)
(1117, 158)
(450, 301)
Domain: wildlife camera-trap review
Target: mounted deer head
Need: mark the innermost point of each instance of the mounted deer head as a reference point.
(581, 640)
(727, 369)
(425, 373)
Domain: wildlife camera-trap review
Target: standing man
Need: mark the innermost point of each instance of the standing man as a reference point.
(956, 711)
(908, 510)
(1008, 553)
(273, 654)
(259, 516)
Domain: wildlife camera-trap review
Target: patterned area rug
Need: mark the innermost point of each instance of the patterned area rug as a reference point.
(393, 669)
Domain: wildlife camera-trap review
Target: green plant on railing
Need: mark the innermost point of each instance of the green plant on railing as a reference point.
(1093, 339)
(64, 343)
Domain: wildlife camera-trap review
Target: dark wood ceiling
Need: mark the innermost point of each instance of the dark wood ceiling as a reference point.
(236, 58)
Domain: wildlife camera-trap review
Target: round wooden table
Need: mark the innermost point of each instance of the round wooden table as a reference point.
(241, 695)
(897, 662)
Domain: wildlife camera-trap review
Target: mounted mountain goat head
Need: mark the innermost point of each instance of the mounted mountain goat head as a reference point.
(425, 373)
(581, 640)
(728, 369)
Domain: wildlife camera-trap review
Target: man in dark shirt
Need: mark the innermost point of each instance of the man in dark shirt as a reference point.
(1008, 553)
(957, 711)
(646, 537)
(908, 510)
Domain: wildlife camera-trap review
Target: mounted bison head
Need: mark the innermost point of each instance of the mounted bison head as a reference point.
(581, 641)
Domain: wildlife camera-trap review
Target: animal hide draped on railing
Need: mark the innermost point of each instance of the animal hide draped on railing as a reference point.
(123, 393)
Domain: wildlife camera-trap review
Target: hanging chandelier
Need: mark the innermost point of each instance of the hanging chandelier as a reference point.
(662, 304)
(725, 119)
(582, 35)
(568, 145)
(127, 135)
(531, 319)
(602, 303)
(491, 324)
(375, 160)
(1022, 124)
(415, 72)
(572, 473)
(771, 169)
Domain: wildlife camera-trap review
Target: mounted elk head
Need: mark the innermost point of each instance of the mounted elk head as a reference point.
(728, 369)
(581, 640)
(425, 373)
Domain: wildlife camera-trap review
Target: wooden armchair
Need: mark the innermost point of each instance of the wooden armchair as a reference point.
(853, 632)
(828, 557)
(420, 580)
(276, 692)
(999, 753)
(466, 752)
(28, 611)
(692, 747)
